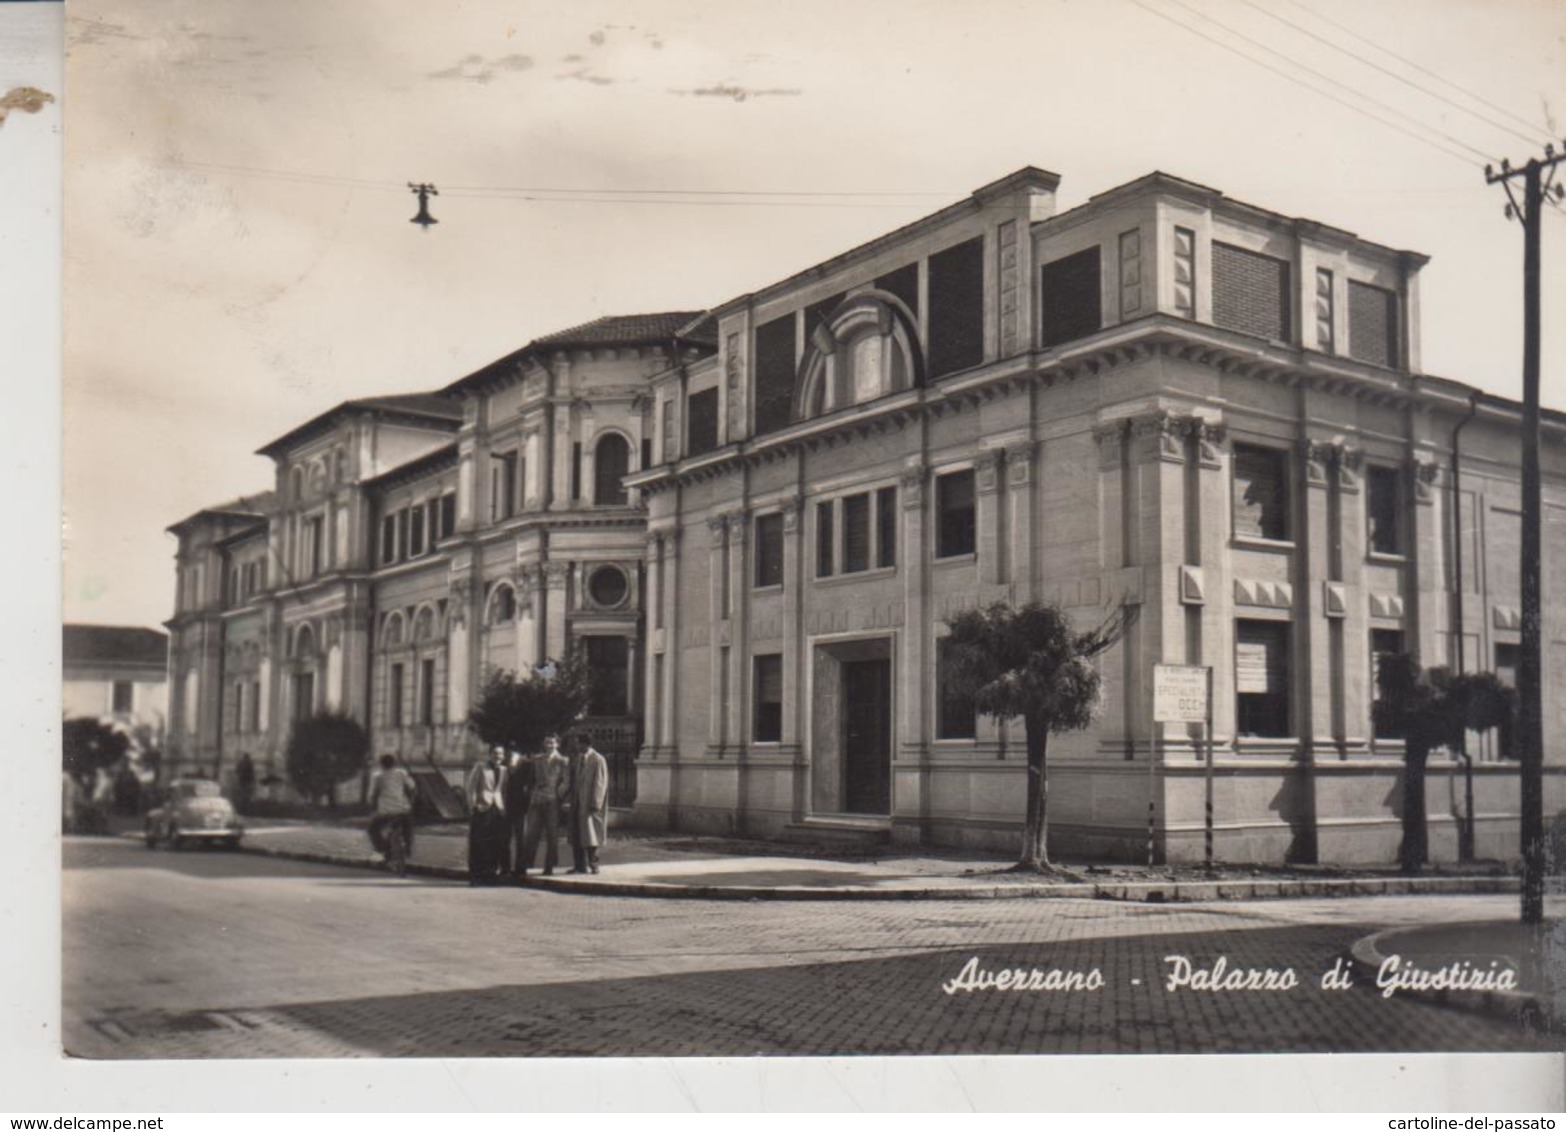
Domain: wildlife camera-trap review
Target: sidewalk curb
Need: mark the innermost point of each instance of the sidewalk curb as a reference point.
(1143, 892)
(1526, 1008)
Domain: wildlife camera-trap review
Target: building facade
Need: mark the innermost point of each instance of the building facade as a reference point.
(1163, 397)
(411, 545)
(117, 674)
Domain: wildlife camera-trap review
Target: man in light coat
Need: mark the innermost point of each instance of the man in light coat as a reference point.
(592, 804)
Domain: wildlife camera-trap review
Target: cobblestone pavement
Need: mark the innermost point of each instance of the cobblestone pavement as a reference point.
(207, 954)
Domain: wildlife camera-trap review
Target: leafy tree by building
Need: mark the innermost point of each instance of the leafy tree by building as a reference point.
(325, 750)
(519, 713)
(1432, 708)
(1029, 661)
(89, 746)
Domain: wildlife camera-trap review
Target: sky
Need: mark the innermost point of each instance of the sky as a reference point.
(238, 256)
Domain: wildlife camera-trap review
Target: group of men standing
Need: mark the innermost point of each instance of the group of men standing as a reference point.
(516, 800)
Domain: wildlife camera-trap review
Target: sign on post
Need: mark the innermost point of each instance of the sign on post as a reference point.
(1179, 693)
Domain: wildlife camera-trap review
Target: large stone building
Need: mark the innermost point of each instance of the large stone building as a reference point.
(410, 544)
(1163, 397)
(757, 520)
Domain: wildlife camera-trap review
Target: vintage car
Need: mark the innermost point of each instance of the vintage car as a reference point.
(194, 809)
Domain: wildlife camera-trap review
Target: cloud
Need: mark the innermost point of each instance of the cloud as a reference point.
(583, 75)
(478, 69)
(738, 93)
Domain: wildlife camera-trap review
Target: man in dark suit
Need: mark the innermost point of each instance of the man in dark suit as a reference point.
(519, 799)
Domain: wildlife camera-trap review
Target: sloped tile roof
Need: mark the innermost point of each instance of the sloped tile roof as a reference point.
(114, 644)
(621, 330)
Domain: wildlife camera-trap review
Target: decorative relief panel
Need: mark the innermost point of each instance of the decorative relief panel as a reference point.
(1211, 437)
(1320, 456)
(1193, 589)
(1110, 437)
(883, 616)
(1334, 599)
(1386, 605)
(1019, 464)
(1350, 460)
(734, 378)
(1162, 435)
(1010, 335)
(1262, 594)
(790, 506)
(1427, 474)
(1507, 617)
(767, 629)
(1323, 306)
(718, 529)
(1185, 273)
(987, 468)
(913, 477)
(1130, 273)
(827, 621)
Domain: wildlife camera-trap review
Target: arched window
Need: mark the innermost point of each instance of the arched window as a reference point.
(502, 605)
(424, 624)
(611, 462)
(304, 644)
(391, 635)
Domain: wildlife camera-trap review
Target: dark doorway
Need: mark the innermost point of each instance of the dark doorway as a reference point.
(867, 737)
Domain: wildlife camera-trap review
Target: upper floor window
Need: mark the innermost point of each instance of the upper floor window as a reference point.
(1384, 509)
(956, 318)
(769, 550)
(956, 530)
(502, 486)
(701, 424)
(124, 696)
(316, 544)
(388, 539)
(611, 464)
(1261, 493)
(448, 515)
(1250, 292)
(1372, 324)
(416, 531)
(857, 531)
(1070, 298)
(502, 605)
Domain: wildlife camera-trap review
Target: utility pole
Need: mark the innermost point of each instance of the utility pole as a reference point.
(1536, 189)
(423, 191)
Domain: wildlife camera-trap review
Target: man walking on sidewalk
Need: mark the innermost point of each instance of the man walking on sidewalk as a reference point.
(543, 815)
(592, 804)
(486, 817)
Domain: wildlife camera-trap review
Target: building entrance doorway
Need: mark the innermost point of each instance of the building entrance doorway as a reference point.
(867, 737)
(851, 728)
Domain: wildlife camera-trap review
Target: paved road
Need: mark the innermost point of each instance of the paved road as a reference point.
(210, 954)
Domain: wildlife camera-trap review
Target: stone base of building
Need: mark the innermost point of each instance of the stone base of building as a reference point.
(1271, 812)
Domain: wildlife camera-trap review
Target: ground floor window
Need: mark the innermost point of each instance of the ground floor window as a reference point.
(768, 698)
(123, 696)
(304, 694)
(1383, 643)
(955, 717)
(1507, 659)
(1261, 679)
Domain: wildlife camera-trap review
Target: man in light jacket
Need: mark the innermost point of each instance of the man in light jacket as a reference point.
(486, 788)
(543, 815)
(592, 804)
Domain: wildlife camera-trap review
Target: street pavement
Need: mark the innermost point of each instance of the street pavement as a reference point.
(211, 954)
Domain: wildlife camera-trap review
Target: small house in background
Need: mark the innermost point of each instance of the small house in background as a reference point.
(120, 673)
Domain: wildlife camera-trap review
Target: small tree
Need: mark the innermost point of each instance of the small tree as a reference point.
(1030, 662)
(324, 750)
(519, 713)
(1431, 709)
(89, 746)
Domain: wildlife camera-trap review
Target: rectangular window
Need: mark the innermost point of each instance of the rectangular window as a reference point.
(1250, 292)
(769, 550)
(886, 527)
(394, 697)
(519, 491)
(1372, 324)
(317, 541)
(768, 697)
(775, 371)
(824, 534)
(646, 453)
(124, 696)
(1508, 658)
(1261, 679)
(427, 692)
(1383, 643)
(701, 422)
(1384, 509)
(239, 707)
(304, 695)
(608, 658)
(955, 717)
(416, 531)
(576, 470)
(502, 486)
(255, 705)
(1071, 298)
(956, 532)
(856, 534)
(1261, 493)
(448, 514)
(956, 319)
(432, 521)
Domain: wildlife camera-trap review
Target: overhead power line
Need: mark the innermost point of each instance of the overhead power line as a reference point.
(1525, 123)
(1328, 94)
(1477, 153)
(1530, 138)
